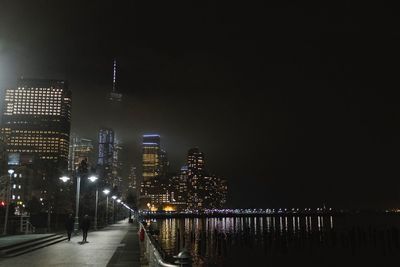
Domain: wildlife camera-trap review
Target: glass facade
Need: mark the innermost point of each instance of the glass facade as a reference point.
(37, 117)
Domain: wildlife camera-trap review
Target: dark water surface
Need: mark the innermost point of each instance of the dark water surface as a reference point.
(342, 240)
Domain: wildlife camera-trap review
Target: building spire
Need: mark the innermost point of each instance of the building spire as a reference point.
(114, 95)
(114, 75)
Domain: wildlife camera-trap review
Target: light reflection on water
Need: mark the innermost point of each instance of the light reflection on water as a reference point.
(229, 241)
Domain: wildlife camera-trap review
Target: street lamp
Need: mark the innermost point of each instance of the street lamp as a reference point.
(78, 189)
(65, 179)
(93, 179)
(106, 192)
(10, 172)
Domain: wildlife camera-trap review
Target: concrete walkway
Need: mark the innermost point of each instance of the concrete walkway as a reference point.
(129, 253)
(103, 244)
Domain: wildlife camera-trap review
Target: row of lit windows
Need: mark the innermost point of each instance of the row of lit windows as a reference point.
(35, 103)
(41, 109)
(36, 92)
(39, 144)
(36, 137)
(34, 150)
(44, 157)
(28, 98)
(44, 96)
(35, 113)
(36, 132)
(37, 88)
(36, 146)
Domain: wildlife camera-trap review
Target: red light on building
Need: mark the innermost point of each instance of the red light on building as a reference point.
(2, 203)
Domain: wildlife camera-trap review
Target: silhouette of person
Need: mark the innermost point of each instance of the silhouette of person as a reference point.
(85, 225)
(69, 225)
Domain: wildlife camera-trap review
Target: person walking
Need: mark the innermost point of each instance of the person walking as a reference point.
(69, 225)
(85, 225)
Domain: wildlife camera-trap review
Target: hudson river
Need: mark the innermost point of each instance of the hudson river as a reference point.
(342, 240)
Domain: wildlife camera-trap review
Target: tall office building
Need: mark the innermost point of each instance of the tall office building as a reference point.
(37, 119)
(132, 178)
(106, 158)
(195, 161)
(117, 165)
(163, 163)
(153, 188)
(106, 147)
(204, 191)
(179, 186)
(151, 156)
(79, 149)
(36, 123)
(108, 161)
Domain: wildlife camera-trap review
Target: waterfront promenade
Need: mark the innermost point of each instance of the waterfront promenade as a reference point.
(115, 245)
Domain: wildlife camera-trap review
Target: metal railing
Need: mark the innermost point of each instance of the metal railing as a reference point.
(26, 226)
(154, 255)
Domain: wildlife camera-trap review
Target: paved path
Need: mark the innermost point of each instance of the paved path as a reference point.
(129, 253)
(98, 252)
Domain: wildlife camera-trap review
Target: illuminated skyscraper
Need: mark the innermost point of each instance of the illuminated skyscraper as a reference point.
(163, 163)
(106, 147)
(132, 178)
(117, 165)
(153, 188)
(79, 149)
(151, 156)
(195, 161)
(36, 123)
(105, 160)
(179, 186)
(204, 191)
(37, 119)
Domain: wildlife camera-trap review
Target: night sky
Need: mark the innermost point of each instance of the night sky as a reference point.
(295, 105)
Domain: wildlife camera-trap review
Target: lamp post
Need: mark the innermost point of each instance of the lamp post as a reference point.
(93, 179)
(78, 189)
(106, 192)
(10, 172)
(114, 197)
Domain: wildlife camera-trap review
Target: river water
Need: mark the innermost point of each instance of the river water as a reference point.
(342, 240)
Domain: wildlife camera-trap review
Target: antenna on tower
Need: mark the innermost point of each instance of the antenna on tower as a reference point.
(114, 95)
(114, 74)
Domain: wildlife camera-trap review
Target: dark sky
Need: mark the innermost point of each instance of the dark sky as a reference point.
(294, 105)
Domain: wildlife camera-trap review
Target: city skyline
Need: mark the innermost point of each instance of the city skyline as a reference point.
(199, 133)
(291, 104)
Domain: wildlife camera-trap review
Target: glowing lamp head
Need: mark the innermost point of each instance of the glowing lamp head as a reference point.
(93, 178)
(11, 171)
(64, 179)
(114, 197)
(106, 191)
(119, 200)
